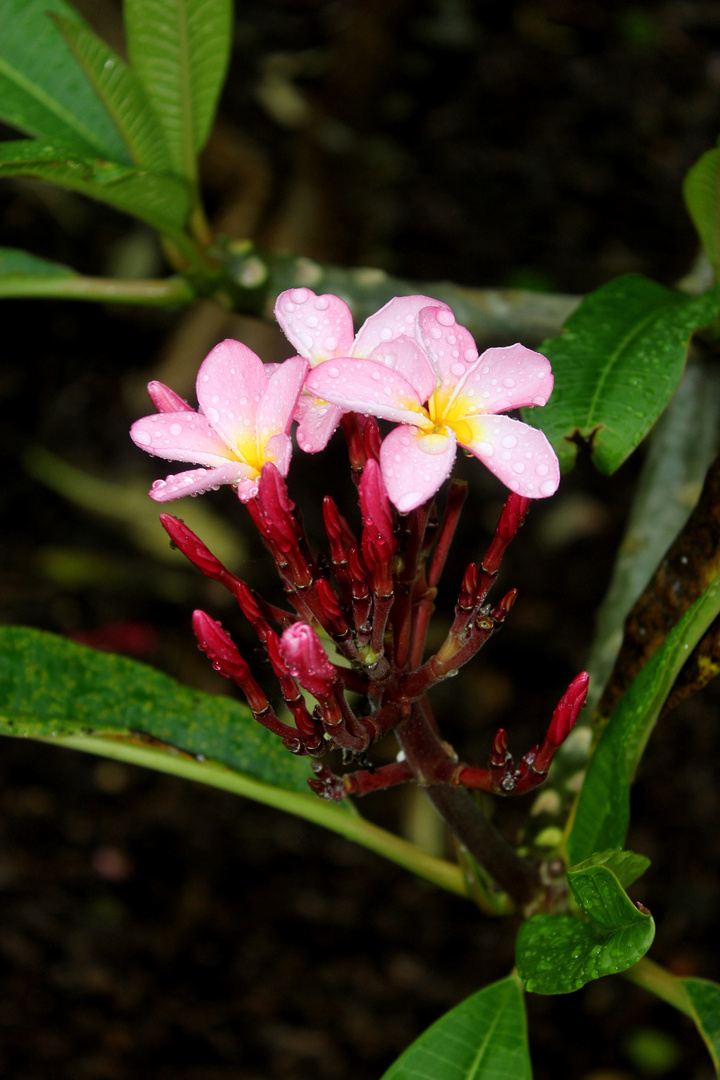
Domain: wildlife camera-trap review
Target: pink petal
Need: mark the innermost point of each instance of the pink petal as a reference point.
(317, 422)
(519, 455)
(230, 383)
(405, 357)
(247, 490)
(166, 400)
(180, 436)
(412, 475)
(318, 326)
(278, 401)
(449, 346)
(397, 317)
(278, 449)
(506, 378)
(195, 481)
(366, 387)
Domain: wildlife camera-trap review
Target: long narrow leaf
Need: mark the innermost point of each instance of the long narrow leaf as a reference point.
(179, 50)
(43, 90)
(161, 201)
(52, 689)
(122, 94)
(17, 263)
(600, 818)
(702, 198)
(483, 1038)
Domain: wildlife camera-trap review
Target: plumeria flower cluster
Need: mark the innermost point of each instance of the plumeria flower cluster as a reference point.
(371, 596)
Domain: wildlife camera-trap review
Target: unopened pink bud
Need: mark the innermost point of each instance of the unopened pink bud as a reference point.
(305, 657)
(375, 505)
(192, 547)
(166, 400)
(563, 721)
(276, 508)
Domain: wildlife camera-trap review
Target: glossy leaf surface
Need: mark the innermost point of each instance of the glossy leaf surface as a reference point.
(122, 94)
(14, 262)
(483, 1038)
(627, 866)
(616, 365)
(52, 686)
(43, 90)
(601, 815)
(702, 198)
(557, 954)
(705, 1001)
(161, 201)
(179, 50)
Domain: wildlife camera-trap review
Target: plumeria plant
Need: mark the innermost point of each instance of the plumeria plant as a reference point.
(353, 670)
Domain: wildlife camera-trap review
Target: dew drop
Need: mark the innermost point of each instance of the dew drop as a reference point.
(445, 317)
(331, 343)
(386, 333)
(508, 382)
(176, 429)
(518, 467)
(457, 369)
(312, 321)
(143, 437)
(539, 400)
(333, 372)
(321, 303)
(547, 487)
(509, 441)
(213, 415)
(299, 295)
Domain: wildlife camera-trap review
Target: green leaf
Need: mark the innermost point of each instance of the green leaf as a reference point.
(180, 50)
(122, 94)
(163, 202)
(43, 90)
(50, 686)
(17, 263)
(705, 1001)
(680, 450)
(627, 866)
(556, 954)
(54, 690)
(601, 814)
(483, 1038)
(616, 366)
(702, 198)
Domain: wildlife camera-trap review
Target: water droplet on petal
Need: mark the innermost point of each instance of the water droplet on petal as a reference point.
(509, 441)
(445, 317)
(518, 467)
(508, 382)
(537, 400)
(321, 303)
(213, 416)
(457, 369)
(542, 469)
(299, 295)
(547, 487)
(143, 437)
(312, 321)
(333, 372)
(386, 333)
(176, 429)
(331, 343)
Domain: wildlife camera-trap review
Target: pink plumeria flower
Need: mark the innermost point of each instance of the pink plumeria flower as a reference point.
(243, 422)
(321, 329)
(464, 393)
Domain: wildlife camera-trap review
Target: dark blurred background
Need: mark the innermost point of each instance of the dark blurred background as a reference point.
(153, 928)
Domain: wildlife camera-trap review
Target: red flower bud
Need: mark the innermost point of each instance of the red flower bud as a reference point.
(302, 651)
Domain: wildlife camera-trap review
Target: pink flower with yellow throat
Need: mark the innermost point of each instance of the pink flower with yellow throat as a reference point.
(447, 396)
(242, 423)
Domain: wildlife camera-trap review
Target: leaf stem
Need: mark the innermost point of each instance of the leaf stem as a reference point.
(656, 980)
(150, 292)
(444, 874)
